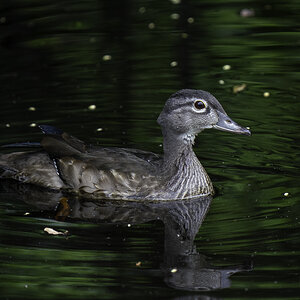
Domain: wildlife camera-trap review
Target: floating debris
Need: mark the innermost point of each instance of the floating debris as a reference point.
(174, 64)
(248, 129)
(221, 81)
(138, 264)
(285, 194)
(151, 25)
(174, 270)
(266, 94)
(32, 125)
(31, 108)
(238, 88)
(128, 225)
(226, 67)
(7, 125)
(247, 12)
(99, 129)
(51, 231)
(190, 20)
(92, 107)
(106, 57)
(26, 214)
(175, 16)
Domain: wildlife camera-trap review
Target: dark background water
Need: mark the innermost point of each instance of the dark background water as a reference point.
(127, 57)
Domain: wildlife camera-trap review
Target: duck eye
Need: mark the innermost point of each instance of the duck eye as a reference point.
(199, 105)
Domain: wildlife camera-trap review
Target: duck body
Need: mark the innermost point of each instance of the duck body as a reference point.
(113, 173)
(66, 163)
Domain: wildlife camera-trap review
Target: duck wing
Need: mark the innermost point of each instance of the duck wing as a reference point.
(102, 171)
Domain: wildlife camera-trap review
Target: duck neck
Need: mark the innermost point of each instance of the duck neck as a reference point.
(177, 148)
(185, 175)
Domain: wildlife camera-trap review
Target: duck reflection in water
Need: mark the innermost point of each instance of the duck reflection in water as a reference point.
(182, 268)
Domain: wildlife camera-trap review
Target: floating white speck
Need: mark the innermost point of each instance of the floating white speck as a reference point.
(7, 125)
(247, 12)
(142, 10)
(92, 107)
(99, 129)
(151, 25)
(32, 125)
(266, 94)
(184, 35)
(175, 16)
(174, 270)
(174, 63)
(190, 20)
(248, 127)
(106, 57)
(285, 194)
(129, 225)
(31, 108)
(226, 67)
(176, 1)
(26, 214)
(221, 81)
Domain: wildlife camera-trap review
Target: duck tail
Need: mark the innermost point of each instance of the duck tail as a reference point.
(22, 145)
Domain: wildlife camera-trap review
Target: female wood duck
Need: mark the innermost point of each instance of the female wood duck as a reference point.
(68, 164)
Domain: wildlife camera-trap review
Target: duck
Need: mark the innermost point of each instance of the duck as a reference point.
(63, 162)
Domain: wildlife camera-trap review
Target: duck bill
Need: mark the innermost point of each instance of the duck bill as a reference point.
(226, 124)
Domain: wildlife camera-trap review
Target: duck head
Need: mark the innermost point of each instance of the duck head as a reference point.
(188, 112)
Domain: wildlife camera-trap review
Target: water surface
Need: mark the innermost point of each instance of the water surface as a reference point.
(127, 57)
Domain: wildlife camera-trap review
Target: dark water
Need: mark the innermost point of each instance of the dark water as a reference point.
(127, 57)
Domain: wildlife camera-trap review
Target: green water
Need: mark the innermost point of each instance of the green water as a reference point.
(127, 57)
